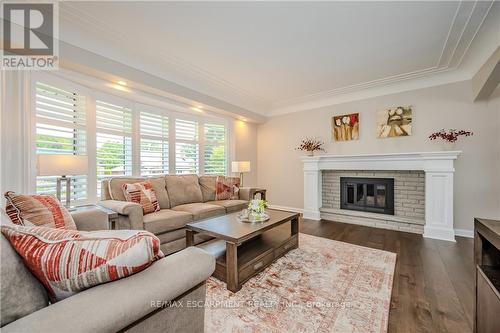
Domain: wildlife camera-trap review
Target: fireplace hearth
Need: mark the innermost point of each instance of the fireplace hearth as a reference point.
(374, 195)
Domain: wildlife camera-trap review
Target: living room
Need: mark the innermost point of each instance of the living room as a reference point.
(250, 166)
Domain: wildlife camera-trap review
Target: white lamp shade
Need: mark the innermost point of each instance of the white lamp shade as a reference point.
(240, 166)
(61, 165)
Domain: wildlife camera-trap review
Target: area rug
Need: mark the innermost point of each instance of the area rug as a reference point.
(323, 286)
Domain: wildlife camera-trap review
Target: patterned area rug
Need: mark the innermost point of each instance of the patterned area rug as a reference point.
(323, 286)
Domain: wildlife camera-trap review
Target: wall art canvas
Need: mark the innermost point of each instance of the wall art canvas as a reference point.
(394, 122)
(345, 127)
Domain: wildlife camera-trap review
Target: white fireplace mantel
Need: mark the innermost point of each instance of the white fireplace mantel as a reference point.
(438, 168)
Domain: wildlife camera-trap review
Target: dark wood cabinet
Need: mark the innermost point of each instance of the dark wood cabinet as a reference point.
(487, 263)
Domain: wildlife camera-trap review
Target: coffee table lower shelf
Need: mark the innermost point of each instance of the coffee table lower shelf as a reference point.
(253, 256)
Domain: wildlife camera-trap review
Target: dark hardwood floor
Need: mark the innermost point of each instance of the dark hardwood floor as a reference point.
(433, 289)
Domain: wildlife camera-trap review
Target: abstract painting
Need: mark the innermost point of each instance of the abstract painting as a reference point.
(345, 127)
(393, 122)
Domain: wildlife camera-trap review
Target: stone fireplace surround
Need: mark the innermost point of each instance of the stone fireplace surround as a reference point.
(438, 171)
(409, 200)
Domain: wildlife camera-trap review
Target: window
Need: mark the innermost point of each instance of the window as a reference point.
(120, 137)
(60, 129)
(113, 141)
(154, 143)
(215, 149)
(186, 146)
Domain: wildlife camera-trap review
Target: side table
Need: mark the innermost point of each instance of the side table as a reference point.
(112, 215)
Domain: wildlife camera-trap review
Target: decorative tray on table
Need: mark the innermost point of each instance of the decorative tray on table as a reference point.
(248, 217)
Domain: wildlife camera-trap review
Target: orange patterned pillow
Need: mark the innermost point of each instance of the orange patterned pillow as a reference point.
(38, 210)
(69, 261)
(227, 188)
(142, 193)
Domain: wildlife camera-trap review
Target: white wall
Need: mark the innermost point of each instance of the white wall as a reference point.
(477, 177)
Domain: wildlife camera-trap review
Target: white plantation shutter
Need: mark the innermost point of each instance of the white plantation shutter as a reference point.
(186, 146)
(60, 129)
(113, 140)
(154, 143)
(215, 149)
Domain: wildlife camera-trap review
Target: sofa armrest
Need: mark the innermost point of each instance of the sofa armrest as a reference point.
(247, 193)
(130, 213)
(113, 306)
(90, 220)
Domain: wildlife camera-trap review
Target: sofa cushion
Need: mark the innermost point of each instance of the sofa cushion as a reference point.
(227, 188)
(21, 293)
(200, 210)
(207, 185)
(166, 220)
(69, 261)
(183, 189)
(143, 194)
(231, 206)
(116, 186)
(38, 210)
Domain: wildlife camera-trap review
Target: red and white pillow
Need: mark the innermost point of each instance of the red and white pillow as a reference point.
(143, 194)
(227, 188)
(69, 261)
(38, 210)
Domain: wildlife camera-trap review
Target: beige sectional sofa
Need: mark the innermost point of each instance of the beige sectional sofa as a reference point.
(182, 199)
(138, 303)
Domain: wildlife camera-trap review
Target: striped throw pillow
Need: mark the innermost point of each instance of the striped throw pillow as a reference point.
(142, 193)
(69, 261)
(38, 210)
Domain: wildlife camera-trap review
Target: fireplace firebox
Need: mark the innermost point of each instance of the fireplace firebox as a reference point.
(374, 195)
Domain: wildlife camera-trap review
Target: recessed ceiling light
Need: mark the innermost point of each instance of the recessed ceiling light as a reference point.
(243, 119)
(122, 83)
(196, 109)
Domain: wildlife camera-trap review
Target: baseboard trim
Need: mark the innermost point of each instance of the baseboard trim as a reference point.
(464, 233)
(458, 232)
(291, 209)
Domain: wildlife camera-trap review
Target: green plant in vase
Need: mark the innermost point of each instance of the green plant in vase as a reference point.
(257, 210)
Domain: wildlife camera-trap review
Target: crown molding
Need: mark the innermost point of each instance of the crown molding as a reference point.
(464, 27)
(208, 82)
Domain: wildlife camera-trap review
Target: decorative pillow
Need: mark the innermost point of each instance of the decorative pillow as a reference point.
(227, 188)
(69, 261)
(142, 193)
(38, 210)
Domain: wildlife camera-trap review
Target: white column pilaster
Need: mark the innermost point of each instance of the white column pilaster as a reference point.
(312, 189)
(439, 205)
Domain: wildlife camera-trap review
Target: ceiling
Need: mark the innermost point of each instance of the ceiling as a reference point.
(266, 56)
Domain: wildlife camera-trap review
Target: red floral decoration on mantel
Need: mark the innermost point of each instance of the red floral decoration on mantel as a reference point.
(309, 144)
(450, 135)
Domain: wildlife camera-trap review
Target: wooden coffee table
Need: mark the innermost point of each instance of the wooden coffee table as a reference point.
(244, 249)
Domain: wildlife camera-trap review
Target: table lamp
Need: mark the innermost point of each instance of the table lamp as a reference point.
(241, 167)
(62, 166)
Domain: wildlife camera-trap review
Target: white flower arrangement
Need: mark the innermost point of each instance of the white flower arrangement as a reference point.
(256, 211)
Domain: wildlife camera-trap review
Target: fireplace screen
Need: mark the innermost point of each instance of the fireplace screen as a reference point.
(367, 194)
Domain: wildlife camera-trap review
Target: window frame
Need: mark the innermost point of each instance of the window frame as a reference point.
(124, 103)
(158, 112)
(136, 104)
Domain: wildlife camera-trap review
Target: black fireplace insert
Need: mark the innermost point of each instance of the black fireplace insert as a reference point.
(374, 195)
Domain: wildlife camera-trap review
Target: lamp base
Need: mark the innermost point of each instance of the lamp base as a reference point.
(68, 189)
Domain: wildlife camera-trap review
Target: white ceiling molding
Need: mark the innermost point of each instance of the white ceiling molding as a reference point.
(87, 63)
(444, 67)
(466, 23)
(70, 12)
